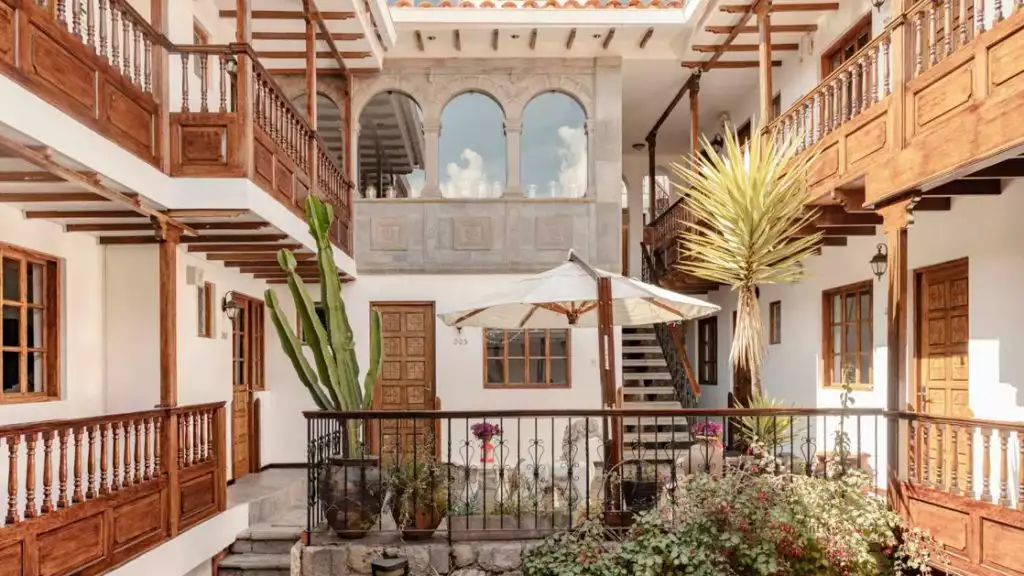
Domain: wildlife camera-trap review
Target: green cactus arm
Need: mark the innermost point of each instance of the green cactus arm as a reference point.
(315, 334)
(376, 359)
(341, 338)
(293, 350)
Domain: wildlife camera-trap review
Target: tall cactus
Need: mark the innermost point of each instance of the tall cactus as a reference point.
(334, 384)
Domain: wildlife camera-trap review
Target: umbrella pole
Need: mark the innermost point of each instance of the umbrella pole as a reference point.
(609, 397)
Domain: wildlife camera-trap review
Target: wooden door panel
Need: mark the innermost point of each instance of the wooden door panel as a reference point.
(247, 356)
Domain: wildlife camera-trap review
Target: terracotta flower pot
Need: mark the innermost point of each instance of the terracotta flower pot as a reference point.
(348, 492)
(422, 524)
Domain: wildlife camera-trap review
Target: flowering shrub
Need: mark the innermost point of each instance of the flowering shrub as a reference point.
(709, 429)
(485, 430)
(757, 525)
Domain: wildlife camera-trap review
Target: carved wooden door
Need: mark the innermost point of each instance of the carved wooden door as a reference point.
(406, 378)
(942, 386)
(247, 375)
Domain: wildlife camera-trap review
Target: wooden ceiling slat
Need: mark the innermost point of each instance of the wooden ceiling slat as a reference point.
(142, 227)
(73, 214)
(288, 15)
(204, 239)
(51, 197)
(254, 256)
(299, 54)
(338, 36)
(786, 47)
(783, 7)
(727, 64)
(775, 28)
(243, 247)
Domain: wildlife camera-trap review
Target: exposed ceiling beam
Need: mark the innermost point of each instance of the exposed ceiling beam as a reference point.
(743, 47)
(419, 40)
(144, 226)
(339, 36)
(196, 239)
(572, 38)
(783, 7)
(257, 268)
(494, 40)
(51, 197)
(934, 204)
(288, 15)
(72, 214)
(244, 247)
(726, 65)
(300, 54)
(836, 216)
(653, 133)
(456, 38)
(833, 241)
(310, 9)
(608, 39)
(646, 38)
(255, 256)
(1013, 168)
(206, 213)
(29, 176)
(533, 39)
(779, 28)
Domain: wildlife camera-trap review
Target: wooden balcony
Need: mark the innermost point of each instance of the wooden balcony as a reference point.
(86, 495)
(916, 107)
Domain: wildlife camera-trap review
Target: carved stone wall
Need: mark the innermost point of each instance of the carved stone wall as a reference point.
(510, 234)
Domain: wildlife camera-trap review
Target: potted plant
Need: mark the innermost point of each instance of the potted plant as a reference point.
(640, 485)
(417, 496)
(706, 454)
(346, 484)
(484, 431)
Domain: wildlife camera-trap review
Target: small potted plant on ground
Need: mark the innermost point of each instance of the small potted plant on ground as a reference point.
(640, 485)
(484, 431)
(417, 499)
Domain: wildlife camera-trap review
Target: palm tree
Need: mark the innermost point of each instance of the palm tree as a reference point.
(748, 226)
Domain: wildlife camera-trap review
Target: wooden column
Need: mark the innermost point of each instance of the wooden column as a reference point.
(764, 23)
(652, 162)
(695, 116)
(169, 236)
(898, 76)
(311, 91)
(161, 84)
(896, 219)
(244, 94)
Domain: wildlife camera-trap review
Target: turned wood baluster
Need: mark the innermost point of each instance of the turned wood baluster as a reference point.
(1004, 488)
(126, 427)
(184, 82)
(955, 481)
(855, 82)
(203, 87)
(47, 506)
(873, 75)
(979, 17)
(158, 448)
(962, 22)
(209, 434)
(104, 432)
(933, 32)
(137, 35)
(76, 493)
(196, 455)
(1020, 466)
(919, 49)
(844, 99)
(115, 54)
(940, 460)
(149, 451)
(12, 479)
(103, 28)
(927, 454)
(986, 465)
(181, 443)
(865, 83)
(115, 468)
(30, 475)
(947, 11)
(126, 47)
(147, 62)
(816, 117)
(885, 65)
(76, 23)
(969, 483)
(62, 469)
(90, 487)
(997, 10)
(138, 451)
(223, 83)
(912, 453)
(90, 24)
(62, 13)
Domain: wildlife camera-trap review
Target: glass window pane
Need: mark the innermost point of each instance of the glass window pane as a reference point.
(240, 323)
(36, 379)
(516, 371)
(560, 343)
(537, 345)
(495, 343)
(865, 305)
(851, 339)
(559, 371)
(837, 308)
(201, 309)
(495, 371)
(11, 326)
(12, 279)
(516, 344)
(837, 345)
(36, 328)
(471, 149)
(837, 369)
(851, 301)
(36, 274)
(554, 148)
(537, 375)
(865, 369)
(11, 372)
(239, 375)
(865, 338)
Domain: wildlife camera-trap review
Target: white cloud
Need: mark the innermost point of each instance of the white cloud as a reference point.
(572, 174)
(470, 181)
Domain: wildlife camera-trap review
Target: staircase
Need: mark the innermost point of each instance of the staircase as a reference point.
(263, 550)
(648, 384)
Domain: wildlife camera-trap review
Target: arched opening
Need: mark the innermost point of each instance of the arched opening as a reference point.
(329, 124)
(471, 150)
(554, 147)
(391, 147)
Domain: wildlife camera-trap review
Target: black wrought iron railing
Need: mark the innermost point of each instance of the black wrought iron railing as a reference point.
(528, 473)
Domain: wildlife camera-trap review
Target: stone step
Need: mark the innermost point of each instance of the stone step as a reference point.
(656, 362)
(635, 390)
(676, 437)
(652, 405)
(646, 376)
(250, 563)
(267, 539)
(638, 336)
(627, 349)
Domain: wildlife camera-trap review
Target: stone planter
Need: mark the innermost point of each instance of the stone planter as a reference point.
(705, 456)
(349, 493)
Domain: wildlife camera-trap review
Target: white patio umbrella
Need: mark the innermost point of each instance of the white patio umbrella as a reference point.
(576, 295)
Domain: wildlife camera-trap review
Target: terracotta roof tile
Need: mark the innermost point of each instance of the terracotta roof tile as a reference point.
(542, 4)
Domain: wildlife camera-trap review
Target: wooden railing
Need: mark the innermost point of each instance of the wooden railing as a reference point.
(107, 485)
(275, 114)
(927, 22)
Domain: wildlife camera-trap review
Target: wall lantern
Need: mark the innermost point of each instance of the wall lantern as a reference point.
(229, 306)
(390, 567)
(880, 261)
(231, 64)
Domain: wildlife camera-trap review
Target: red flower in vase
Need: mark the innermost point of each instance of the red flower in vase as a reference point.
(485, 430)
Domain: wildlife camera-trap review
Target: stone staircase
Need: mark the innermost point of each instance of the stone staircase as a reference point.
(263, 550)
(647, 385)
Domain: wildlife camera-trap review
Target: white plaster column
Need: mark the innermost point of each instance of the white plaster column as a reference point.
(431, 137)
(513, 130)
(590, 130)
(635, 219)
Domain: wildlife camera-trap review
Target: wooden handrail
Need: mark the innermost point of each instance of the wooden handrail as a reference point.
(263, 72)
(677, 339)
(963, 422)
(51, 425)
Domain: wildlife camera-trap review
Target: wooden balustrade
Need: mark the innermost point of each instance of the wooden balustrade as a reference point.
(938, 28)
(275, 114)
(103, 484)
(334, 188)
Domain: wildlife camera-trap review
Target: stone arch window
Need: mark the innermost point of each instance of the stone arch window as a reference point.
(471, 148)
(391, 147)
(330, 124)
(553, 146)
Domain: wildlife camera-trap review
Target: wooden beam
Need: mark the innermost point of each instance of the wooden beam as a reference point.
(833, 241)
(299, 54)
(168, 236)
(288, 15)
(29, 176)
(839, 231)
(836, 216)
(274, 267)
(51, 197)
(1013, 168)
(419, 40)
(572, 38)
(275, 276)
(781, 7)
(247, 258)
(968, 188)
(775, 28)
(652, 135)
(934, 204)
(72, 214)
(744, 47)
(142, 227)
(339, 36)
(533, 39)
(243, 247)
(608, 39)
(309, 6)
(727, 65)
(646, 37)
(196, 239)
(494, 40)
(456, 39)
(764, 58)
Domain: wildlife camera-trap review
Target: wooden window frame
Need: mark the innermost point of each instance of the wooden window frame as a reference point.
(775, 322)
(850, 36)
(506, 385)
(712, 351)
(253, 343)
(51, 300)
(205, 294)
(856, 289)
